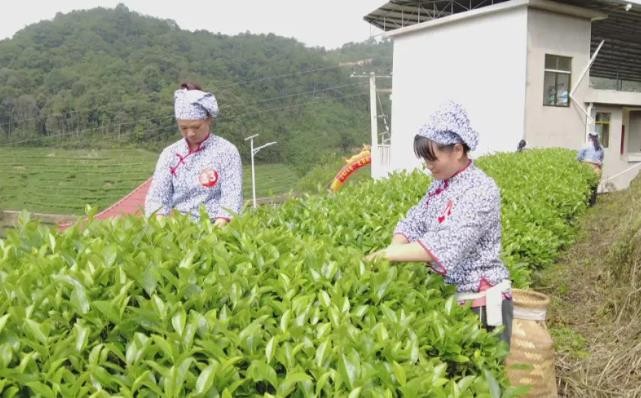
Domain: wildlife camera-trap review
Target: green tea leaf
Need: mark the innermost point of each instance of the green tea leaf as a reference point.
(269, 349)
(259, 370)
(399, 372)
(495, 390)
(355, 393)
(206, 379)
(41, 389)
(288, 385)
(321, 354)
(82, 336)
(348, 370)
(3, 321)
(178, 321)
(284, 320)
(35, 330)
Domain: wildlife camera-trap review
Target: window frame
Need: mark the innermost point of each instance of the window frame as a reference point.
(602, 123)
(556, 72)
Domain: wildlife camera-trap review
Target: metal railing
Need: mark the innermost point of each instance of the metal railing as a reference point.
(384, 156)
(603, 184)
(601, 83)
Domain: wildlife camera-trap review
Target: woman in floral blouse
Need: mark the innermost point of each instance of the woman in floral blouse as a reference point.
(456, 227)
(200, 169)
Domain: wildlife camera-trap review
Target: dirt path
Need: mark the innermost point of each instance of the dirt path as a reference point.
(595, 314)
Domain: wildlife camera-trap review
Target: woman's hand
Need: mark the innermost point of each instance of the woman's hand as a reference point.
(408, 252)
(221, 222)
(379, 254)
(399, 239)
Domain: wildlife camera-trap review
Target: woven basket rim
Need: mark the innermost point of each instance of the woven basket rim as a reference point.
(530, 298)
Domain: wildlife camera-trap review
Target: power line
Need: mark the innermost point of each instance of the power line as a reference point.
(245, 114)
(109, 138)
(308, 92)
(160, 130)
(70, 112)
(137, 121)
(89, 110)
(83, 131)
(305, 72)
(280, 76)
(320, 99)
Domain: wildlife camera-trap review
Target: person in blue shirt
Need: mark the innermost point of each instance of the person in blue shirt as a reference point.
(592, 154)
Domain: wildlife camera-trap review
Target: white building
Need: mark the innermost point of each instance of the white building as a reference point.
(522, 70)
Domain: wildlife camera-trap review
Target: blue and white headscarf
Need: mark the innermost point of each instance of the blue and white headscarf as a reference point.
(450, 124)
(194, 105)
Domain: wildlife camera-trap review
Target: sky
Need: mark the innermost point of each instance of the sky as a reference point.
(320, 23)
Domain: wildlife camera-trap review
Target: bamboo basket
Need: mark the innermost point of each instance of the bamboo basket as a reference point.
(531, 359)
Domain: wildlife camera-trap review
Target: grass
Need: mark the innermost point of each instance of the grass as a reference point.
(63, 181)
(570, 342)
(271, 179)
(595, 311)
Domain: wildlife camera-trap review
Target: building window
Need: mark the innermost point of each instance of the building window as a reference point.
(556, 85)
(602, 126)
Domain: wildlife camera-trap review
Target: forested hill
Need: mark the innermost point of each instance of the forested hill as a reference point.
(105, 77)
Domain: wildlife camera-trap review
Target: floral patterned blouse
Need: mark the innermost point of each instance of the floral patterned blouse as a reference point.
(210, 175)
(458, 222)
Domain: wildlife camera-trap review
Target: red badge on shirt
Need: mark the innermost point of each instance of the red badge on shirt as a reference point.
(446, 212)
(208, 178)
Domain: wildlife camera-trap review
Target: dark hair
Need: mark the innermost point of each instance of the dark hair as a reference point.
(190, 86)
(521, 146)
(595, 142)
(424, 148)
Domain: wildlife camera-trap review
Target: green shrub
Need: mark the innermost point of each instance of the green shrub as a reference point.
(543, 191)
(177, 308)
(278, 303)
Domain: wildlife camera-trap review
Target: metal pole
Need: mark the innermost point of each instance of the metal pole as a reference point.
(251, 147)
(373, 124)
(581, 76)
(254, 151)
(251, 144)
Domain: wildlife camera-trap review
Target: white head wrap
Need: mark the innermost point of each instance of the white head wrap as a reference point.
(194, 105)
(449, 124)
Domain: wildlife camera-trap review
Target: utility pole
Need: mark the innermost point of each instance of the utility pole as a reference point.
(373, 121)
(254, 151)
(374, 150)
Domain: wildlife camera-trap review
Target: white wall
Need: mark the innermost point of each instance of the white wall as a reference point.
(614, 163)
(634, 132)
(479, 61)
(613, 97)
(624, 108)
(549, 33)
(619, 169)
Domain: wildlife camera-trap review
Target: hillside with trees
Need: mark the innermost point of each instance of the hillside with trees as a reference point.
(105, 78)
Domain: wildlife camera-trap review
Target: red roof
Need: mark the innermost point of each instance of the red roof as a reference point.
(132, 203)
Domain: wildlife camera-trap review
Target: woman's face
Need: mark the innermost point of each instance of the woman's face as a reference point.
(448, 161)
(194, 131)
